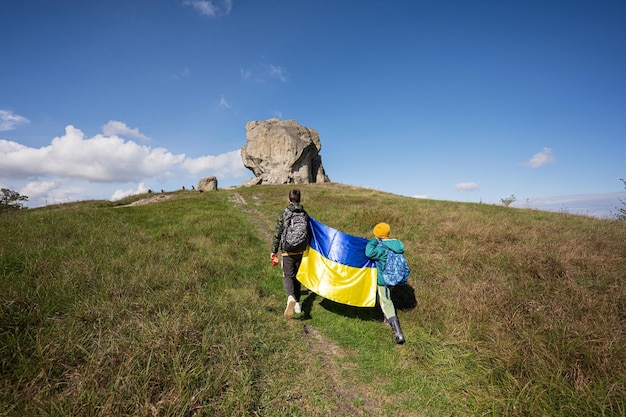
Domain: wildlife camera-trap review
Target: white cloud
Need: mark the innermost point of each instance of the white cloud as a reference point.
(67, 168)
(224, 103)
(50, 192)
(119, 194)
(227, 164)
(602, 205)
(9, 146)
(115, 128)
(541, 158)
(36, 189)
(245, 74)
(183, 73)
(263, 71)
(421, 196)
(10, 121)
(278, 72)
(99, 159)
(466, 186)
(209, 7)
(228, 6)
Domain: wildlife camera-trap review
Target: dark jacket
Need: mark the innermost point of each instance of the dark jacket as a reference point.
(280, 222)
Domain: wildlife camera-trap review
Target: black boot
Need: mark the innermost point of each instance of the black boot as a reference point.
(397, 332)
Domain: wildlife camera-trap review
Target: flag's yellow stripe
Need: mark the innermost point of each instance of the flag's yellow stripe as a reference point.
(337, 282)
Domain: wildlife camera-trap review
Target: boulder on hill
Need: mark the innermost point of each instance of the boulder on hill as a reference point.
(282, 152)
(207, 184)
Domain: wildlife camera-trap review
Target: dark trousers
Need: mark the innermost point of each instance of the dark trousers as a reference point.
(290, 265)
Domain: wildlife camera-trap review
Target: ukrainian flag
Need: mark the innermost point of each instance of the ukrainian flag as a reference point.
(334, 266)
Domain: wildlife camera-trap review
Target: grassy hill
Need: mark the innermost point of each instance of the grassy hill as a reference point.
(173, 309)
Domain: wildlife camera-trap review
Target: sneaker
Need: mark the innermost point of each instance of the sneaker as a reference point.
(291, 304)
(297, 309)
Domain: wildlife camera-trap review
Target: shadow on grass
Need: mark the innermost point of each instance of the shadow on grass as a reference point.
(307, 303)
(363, 313)
(403, 299)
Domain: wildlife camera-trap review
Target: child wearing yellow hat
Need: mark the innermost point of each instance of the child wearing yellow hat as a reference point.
(377, 252)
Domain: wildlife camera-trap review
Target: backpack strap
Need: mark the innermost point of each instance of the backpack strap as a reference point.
(380, 243)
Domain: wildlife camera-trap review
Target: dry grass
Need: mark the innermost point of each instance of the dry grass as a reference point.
(173, 309)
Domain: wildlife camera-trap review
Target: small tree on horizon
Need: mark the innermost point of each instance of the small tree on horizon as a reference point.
(11, 200)
(508, 201)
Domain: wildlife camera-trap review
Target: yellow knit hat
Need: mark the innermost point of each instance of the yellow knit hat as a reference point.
(382, 230)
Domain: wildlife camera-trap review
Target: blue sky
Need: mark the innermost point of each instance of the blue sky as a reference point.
(450, 100)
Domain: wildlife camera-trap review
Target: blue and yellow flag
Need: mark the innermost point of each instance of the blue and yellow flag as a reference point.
(335, 267)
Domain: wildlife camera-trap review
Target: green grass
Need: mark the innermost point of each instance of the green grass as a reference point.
(173, 309)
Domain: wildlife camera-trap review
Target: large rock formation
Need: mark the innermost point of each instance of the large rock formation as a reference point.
(282, 152)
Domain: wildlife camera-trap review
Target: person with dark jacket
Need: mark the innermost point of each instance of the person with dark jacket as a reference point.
(376, 250)
(290, 259)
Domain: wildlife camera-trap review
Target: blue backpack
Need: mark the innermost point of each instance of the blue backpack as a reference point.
(397, 269)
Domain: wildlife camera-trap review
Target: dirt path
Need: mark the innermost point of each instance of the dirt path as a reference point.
(149, 200)
(347, 391)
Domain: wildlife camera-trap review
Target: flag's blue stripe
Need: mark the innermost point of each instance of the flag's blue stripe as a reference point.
(339, 247)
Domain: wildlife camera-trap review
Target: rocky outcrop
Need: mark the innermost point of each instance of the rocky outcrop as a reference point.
(207, 184)
(282, 152)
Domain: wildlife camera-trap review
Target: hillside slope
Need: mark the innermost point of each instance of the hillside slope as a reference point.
(173, 308)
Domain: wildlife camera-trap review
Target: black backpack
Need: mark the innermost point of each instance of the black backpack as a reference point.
(295, 231)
